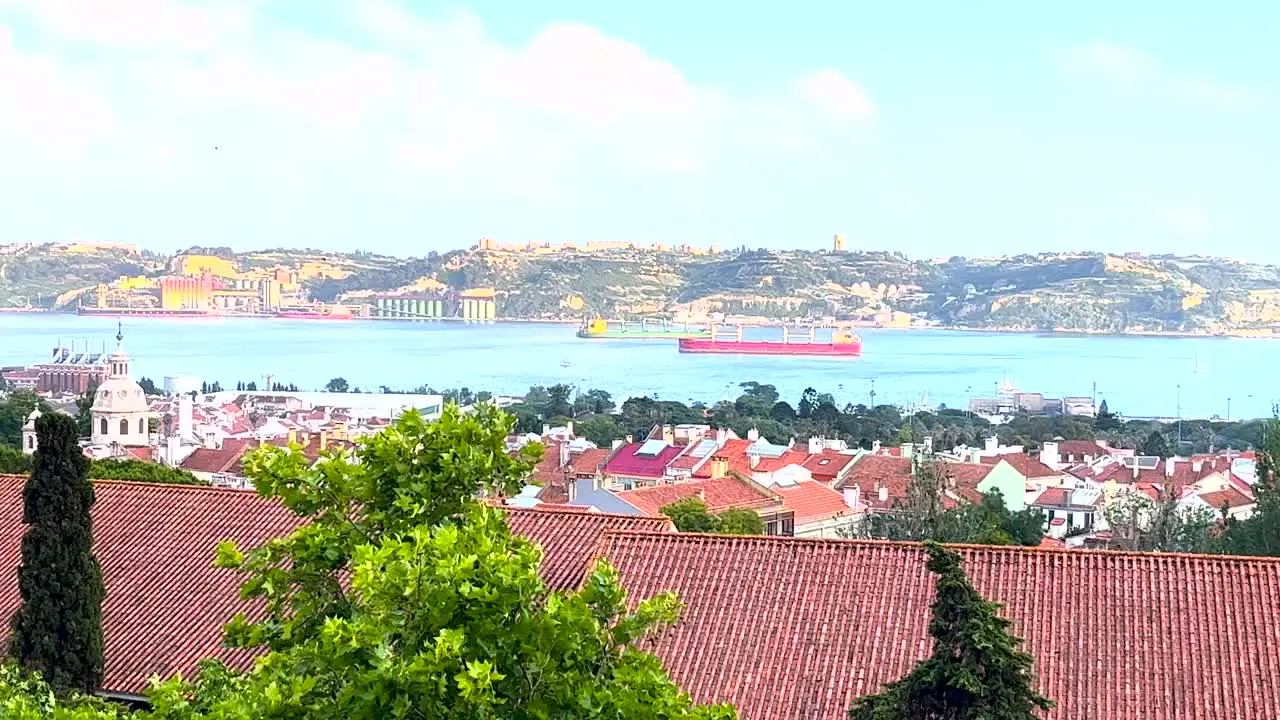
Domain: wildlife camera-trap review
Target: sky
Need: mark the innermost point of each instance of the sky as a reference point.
(932, 128)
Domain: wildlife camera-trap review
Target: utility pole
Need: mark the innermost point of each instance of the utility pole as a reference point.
(873, 393)
(1179, 416)
(1228, 409)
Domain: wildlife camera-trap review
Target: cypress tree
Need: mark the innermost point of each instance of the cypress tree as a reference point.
(976, 671)
(58, 629)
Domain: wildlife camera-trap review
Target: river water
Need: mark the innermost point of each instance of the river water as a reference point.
(1139, 376)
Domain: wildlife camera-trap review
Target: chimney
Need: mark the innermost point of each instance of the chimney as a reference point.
(293, 436)
(1170, 466)
(546, 429)
(1197, 466)
(850, 493)
(875, 447)
(324, 440)
(564, 454)
(719, 467)
(753, 434)
(992, 444)
(569, 427)
(753, 460)
(883, 493)
(815, 446)
(185, 414)
(908, 450)
(722, 436)
(613, 447)
(1135, 467)
(1049, 454)
(928, 445)
(172, 444)
(668, 435)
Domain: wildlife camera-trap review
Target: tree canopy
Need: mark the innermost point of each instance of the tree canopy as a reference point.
(691, 515)
(975, 672)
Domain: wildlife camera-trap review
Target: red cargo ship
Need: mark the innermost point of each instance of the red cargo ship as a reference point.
(843, 344)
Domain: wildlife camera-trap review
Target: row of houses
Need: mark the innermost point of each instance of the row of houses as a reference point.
(822, 488)
(782, 628)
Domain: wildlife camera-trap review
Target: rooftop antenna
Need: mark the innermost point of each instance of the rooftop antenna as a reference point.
(119, 332)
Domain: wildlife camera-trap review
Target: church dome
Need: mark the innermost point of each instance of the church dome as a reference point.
(120, 395)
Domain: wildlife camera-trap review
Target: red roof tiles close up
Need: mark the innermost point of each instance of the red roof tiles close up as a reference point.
(718, 494)
(166, 603)
(789, 628)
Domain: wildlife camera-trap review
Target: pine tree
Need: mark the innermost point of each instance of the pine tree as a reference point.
(58, 629)
(976, 671)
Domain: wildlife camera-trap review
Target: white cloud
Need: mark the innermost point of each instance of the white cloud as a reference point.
(1131, 71)
(146, 88)
(836, 95)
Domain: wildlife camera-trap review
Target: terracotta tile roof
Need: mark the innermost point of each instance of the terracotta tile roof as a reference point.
(812, 502)
(569, 538)
(588, 462)
(221, 460)
(734, 452)
(166, 604)
(156, 544)
(718, 494)
(1229, 497)
(1081, 448)
(626, 463)
(1067, 497)
(790, 629)
(893, 473)
(1031, 468)
(828, 465)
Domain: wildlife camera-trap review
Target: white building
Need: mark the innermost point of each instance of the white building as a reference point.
(120, 408)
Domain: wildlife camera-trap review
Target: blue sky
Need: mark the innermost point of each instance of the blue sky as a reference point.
(927, 127)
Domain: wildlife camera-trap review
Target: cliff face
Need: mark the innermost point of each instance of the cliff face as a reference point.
(1060, 291)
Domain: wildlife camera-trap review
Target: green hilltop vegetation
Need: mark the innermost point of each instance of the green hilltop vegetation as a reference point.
(1079, 292)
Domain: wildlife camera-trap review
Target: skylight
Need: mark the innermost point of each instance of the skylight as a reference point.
(651, 448)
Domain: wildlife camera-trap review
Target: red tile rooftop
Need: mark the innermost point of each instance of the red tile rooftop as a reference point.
(812, 502)
(791, 628)
(718, 494)
(627, 463)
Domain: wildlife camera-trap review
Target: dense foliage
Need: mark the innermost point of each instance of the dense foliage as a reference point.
(140, 471)
(14, 410)
(58, 629)
(691, 515)
(975, 672)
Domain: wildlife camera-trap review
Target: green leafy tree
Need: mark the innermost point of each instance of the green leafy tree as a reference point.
(13, 415)
(148, 386)
(403, 596)
(58, 629)
(740, 521)
(782, 412)
(14, 462)
(600, 429)
(336, 385)
(976, 671)
(84, 410)
(139, 471)
(691, 515)
(1154, 445)
(1139, 522)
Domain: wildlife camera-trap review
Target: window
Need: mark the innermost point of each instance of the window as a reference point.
(31, 442)
(771, 527)
(124, 427)
(102, 426)
(789, 527)
(142, 426)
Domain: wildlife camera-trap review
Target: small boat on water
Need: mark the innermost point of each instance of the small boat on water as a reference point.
(646, 329)
(843, 344)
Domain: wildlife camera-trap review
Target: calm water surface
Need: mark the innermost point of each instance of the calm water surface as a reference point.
(1137, 375)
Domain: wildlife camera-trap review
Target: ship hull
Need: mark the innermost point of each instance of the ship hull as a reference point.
(734, 347)
(140, 312)
(312, 316)
(642, 335)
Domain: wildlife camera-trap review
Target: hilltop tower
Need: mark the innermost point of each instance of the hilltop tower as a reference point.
(837, 243)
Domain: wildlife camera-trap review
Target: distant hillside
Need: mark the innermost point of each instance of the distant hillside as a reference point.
(1089, 292)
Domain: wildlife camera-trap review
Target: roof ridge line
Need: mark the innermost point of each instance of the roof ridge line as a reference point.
(1007, 549)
